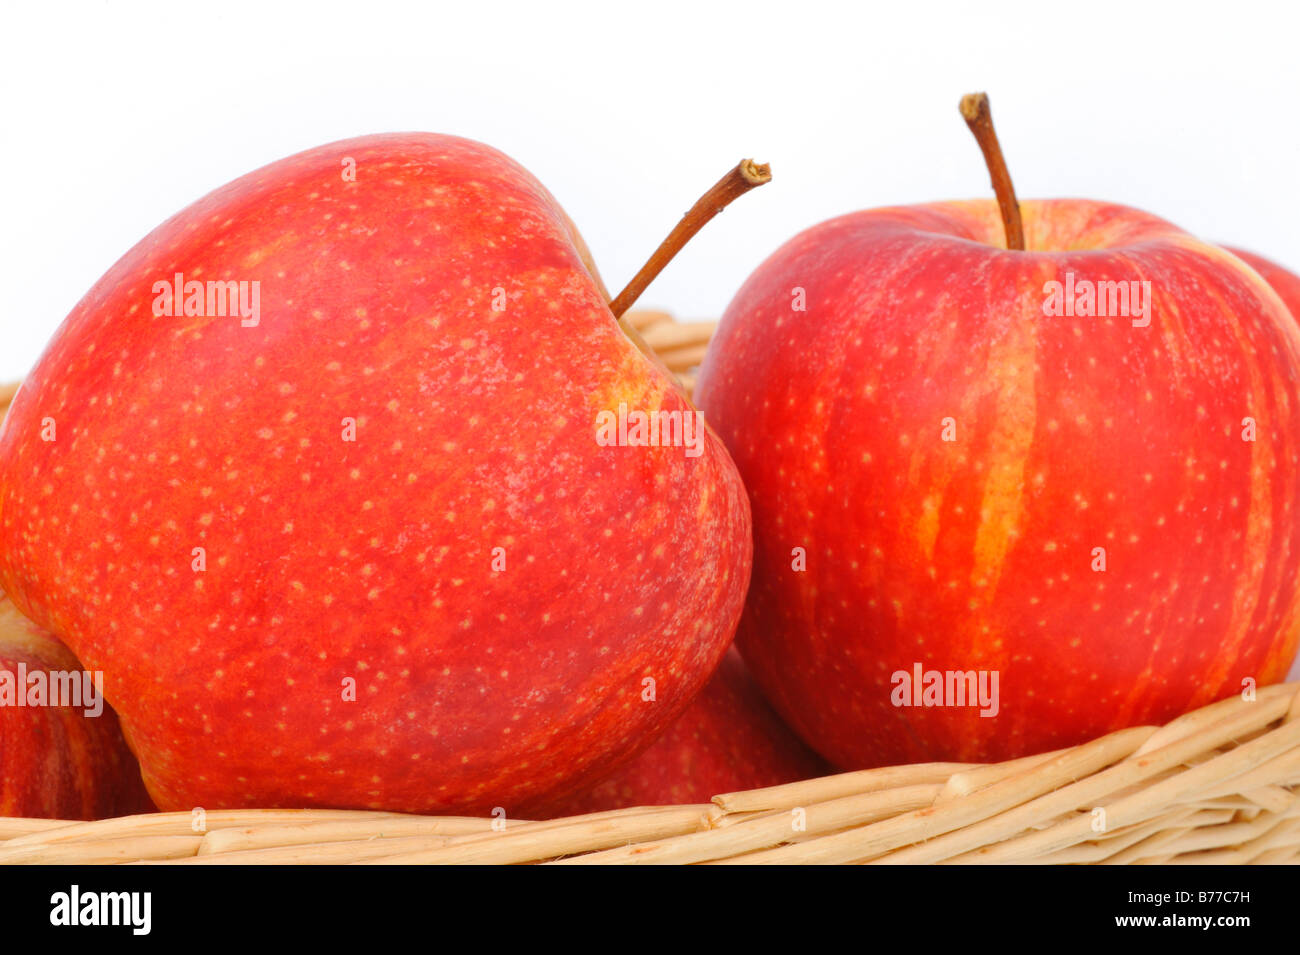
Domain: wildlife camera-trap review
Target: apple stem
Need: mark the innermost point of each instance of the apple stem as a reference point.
(746, 176)
(975, 110)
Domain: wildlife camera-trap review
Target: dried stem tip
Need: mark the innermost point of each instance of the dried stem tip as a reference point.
(745, 176)
(975, 110)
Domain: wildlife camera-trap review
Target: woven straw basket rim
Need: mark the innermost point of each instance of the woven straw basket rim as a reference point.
(1218, 785)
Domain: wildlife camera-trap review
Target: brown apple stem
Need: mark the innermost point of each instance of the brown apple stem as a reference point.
(737, 182)
(975, 110)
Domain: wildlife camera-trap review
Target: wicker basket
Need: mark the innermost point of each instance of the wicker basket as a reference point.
(1218, 785)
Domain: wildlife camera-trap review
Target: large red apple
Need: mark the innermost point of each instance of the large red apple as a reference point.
(352, 540)
(1099, 510)
(728, 740)
(62, 756)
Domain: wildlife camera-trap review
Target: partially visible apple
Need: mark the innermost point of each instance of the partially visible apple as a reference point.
(1287, 285)
(1285, 282)
(342, 532)
(1098, 509)
(729, 739)
(57, 762)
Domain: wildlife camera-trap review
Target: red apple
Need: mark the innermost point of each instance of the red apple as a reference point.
(1287, 285)
(1284, 282)
(352, 541)
(1098, 510)
(58, 761)
(729, 739)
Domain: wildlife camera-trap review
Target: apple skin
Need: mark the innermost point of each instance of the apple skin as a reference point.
(56, 762)
(1070, 434)
(1285, 282)
(1287, 285)
(330, 561)
(728, 740)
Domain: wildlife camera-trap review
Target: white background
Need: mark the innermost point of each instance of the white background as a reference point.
(115, 116)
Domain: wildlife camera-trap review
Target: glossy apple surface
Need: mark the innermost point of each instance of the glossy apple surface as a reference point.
(364, 550)
(728, 740)
(942, 474)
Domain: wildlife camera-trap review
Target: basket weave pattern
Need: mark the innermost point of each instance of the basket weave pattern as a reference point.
(1218, 785)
